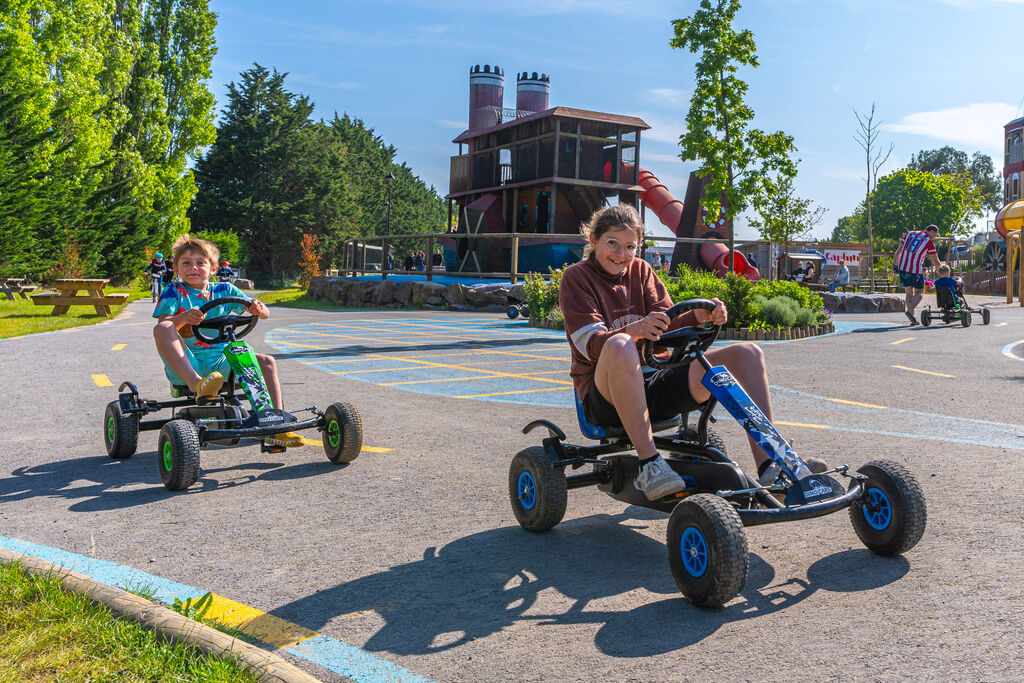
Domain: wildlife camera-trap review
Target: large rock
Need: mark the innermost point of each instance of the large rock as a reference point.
(242, 283)
(403, 293)
(517, 293)
(384, 293)
(455, 295)
(486, 295)
(421, 291)
(863, 303)
(317, 287)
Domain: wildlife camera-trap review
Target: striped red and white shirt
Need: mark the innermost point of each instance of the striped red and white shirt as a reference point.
(914, 249)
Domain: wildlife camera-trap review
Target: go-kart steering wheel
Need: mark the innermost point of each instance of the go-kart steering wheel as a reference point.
(230, 326)
(685, 342)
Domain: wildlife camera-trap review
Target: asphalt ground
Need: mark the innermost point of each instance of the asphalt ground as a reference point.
(411, 552)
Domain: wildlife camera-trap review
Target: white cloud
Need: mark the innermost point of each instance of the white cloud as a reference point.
(662, 130)
(669, 95)
(976, 125)
(450, 123)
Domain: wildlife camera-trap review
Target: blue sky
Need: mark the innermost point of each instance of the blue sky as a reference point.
(938, 71)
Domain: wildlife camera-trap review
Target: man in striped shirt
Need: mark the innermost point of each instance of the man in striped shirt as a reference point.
(915, 247)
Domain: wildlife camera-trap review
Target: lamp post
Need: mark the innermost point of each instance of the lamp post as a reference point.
(390, 177)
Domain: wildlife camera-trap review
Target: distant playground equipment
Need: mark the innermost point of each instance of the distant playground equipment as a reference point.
(539, 170)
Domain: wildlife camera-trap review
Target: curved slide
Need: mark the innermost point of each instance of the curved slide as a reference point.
(669, 211)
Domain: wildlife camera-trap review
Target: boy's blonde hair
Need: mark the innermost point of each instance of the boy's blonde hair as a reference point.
(204, 248)
(944, 269)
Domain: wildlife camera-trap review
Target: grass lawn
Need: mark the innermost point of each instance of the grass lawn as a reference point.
(296, 298)
(49, 635)
(24, 317)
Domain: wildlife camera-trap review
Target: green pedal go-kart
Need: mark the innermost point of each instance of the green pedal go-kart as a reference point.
(197, 421)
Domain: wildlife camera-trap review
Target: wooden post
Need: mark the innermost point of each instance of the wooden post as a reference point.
(515, 258)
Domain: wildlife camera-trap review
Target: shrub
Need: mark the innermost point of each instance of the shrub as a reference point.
(780, 312)
(693, 284)
(739, 301)
(542, 294)
(309, 261)
(804, 297)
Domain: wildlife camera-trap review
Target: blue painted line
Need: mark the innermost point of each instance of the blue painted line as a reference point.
(329, 653)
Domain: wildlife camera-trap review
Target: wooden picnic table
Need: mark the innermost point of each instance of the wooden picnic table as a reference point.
(68, 295)
(9, 286)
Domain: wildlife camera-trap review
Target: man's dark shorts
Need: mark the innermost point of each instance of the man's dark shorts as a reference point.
(668, 395)
(915, 280)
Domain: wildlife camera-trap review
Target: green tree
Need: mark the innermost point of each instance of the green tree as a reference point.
(719, 136)
(910, 200)
(852, 228)
(782, 216)
(949, 161)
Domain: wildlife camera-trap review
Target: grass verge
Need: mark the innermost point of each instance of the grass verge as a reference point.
(49, 635)
(296, 298)
(22, 317)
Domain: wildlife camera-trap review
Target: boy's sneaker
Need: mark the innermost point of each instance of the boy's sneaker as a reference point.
(657, 479)
(286, 439)
(210, 385)
(910, 317)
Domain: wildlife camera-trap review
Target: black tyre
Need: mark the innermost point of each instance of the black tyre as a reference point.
(537, 490)
(926, 318)
(120, 432)
(715, 439)
(892, 516)
(986, 316)
(524, 311)
(343, 433)
(707, 550)
(512, 312)
(965, 318)
(178, 454)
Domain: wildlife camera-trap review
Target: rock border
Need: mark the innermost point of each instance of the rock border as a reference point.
(801, 332)
(357, 293)
(166, 622)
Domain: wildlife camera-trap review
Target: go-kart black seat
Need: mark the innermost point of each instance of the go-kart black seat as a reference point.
(945, 298)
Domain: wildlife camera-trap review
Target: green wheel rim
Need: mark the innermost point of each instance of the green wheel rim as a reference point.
(168, 456)
(333, 433)
(111, 433)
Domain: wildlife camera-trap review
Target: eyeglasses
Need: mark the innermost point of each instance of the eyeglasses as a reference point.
(616, 245)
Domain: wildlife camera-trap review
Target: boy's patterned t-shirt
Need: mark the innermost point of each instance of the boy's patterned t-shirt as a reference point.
(179, 297)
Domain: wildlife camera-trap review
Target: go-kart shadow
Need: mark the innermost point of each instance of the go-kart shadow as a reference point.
(478, 585)
(96, 483)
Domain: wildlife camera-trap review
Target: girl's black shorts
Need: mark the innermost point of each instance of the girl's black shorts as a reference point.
(668, 395)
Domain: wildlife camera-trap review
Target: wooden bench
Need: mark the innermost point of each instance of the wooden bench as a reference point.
(68, 295)
(9, 286)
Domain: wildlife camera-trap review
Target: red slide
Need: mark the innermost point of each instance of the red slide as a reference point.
(669, 210)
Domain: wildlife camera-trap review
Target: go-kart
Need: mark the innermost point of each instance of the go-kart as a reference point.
(197, 421)
(952, 305)
(707, 546)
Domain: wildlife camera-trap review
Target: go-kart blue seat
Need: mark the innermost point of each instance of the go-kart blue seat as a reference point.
(597, 432)
(945, 298)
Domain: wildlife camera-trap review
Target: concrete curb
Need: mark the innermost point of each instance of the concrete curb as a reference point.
(165, 621)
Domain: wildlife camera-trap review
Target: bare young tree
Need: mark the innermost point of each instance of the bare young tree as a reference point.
(867, 137)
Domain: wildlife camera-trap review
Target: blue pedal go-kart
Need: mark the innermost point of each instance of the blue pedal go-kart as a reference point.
(197, 421)
(707, 546)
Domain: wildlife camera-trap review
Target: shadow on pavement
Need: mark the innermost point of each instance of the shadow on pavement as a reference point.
(478, 585)
(96, 482)
(364, 349)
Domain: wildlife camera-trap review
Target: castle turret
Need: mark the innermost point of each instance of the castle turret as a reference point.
(532, 91)
(486, 92)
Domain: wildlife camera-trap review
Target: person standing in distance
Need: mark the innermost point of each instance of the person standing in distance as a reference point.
(915, 246)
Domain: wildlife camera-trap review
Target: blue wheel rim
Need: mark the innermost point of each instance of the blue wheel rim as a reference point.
(693, 550)
(878, 509)
(527, 488)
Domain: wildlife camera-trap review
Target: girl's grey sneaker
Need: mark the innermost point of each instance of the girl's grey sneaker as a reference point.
(657, 479)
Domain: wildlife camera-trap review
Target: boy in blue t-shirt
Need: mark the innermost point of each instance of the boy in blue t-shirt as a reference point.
(945, 280)
(198, 365)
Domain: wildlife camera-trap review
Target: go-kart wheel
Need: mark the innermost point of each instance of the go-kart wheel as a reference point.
(524, 311)
(986, 316)
(178, 454)
(926, 318)
(536, 490)
(891, 517)
(120, 432)
(512, 312)
(715, 439)
(965, 318)
(343, 433)
(707, 550)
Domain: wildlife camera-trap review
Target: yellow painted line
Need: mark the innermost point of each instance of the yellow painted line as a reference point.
(420, 367)
(102, 381)
(430, 381)
(257, 623)
(999, 324)
(923, 372)
(800, 424)
(118, 347)
(900, 341)
(857, 403)
(364, 449)
(509, 393)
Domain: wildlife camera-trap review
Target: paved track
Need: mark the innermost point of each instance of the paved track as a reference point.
(412, 553)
